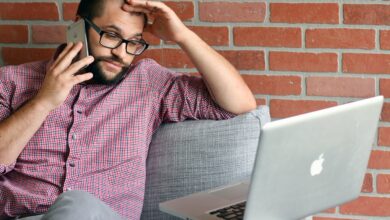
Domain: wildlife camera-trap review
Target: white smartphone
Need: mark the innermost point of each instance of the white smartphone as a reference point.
(76, 33)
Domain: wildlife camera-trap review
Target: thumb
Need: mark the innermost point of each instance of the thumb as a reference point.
(149, 28)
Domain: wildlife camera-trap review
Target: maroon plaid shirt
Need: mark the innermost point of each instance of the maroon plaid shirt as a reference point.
(98, 139)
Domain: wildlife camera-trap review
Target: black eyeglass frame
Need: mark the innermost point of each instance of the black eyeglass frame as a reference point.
(101, 32)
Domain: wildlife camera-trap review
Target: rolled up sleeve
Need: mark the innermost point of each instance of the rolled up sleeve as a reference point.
(6, 168)
(187, 97)
(5, 93)
(5, 107)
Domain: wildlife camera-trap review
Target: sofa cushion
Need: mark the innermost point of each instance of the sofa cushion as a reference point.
(192, 156)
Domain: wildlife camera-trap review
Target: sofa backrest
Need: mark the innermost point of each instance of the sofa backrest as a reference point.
(193, 156)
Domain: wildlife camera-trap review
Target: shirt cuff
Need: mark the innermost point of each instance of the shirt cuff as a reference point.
(6, 168)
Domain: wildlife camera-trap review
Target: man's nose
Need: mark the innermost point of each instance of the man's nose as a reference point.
(120, 51)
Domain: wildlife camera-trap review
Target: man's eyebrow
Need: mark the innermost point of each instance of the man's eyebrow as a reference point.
(138, 35)
(117, 29)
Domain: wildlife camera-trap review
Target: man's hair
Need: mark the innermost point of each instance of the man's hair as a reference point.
(90, 9)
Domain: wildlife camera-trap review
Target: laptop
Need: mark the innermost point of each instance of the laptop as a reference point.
(304, 164)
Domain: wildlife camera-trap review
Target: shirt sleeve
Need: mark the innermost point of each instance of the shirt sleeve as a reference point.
(6, 168)
(5, 93)
(5, 107)
(187, 97)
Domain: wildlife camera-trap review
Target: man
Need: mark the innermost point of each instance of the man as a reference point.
(73, 145)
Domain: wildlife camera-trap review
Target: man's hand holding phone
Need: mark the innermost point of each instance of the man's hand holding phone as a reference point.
(62, 75)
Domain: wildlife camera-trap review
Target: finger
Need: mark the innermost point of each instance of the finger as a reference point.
(149, 28)
(49, 65)
(129, 8)
(77, 66)
(58, 52)
(150, 14)
(151, 5)
(66, 51)
(68, 57)
(81, 78)
(63, 52)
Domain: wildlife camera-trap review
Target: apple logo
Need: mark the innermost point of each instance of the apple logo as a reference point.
(316, 167)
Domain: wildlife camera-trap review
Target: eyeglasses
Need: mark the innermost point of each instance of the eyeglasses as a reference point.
(112, 40)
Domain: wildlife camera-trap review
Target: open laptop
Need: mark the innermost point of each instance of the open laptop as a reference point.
(304, 164)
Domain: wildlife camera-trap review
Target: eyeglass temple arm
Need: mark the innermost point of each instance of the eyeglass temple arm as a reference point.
(97, 29)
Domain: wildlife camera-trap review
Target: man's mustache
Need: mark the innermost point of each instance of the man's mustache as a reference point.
(112, 59)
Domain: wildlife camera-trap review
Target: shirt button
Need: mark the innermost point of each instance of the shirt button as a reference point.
(79, 111)
(72, 165)
(74, 136)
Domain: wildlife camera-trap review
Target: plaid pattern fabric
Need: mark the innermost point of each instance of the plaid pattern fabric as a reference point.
(98, 139)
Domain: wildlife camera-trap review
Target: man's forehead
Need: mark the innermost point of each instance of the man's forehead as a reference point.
(126, 26)
(111, 6)
(113, 11)
(134, 32)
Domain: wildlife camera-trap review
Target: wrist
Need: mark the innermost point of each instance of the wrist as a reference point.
(186, 37)
(41, 105)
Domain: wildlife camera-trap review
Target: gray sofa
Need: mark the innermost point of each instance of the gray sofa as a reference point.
(192, 156)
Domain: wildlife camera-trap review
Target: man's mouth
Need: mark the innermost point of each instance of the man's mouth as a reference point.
(113, 64)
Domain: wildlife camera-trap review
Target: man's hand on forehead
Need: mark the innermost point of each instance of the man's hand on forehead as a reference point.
(146, 5)
(150, 8)
(163, 21)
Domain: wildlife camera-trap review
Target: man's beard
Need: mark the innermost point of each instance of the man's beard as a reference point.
(99, 77)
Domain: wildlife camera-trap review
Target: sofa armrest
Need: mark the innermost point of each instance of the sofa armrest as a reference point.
(193, 156)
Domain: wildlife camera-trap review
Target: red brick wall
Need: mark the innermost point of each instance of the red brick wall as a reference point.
(296, 57)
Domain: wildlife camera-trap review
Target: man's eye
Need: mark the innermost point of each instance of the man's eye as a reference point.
(133, 43)
(111, 36)
(138, 42)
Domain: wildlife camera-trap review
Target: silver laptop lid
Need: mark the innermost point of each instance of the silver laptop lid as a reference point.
(311, 162)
